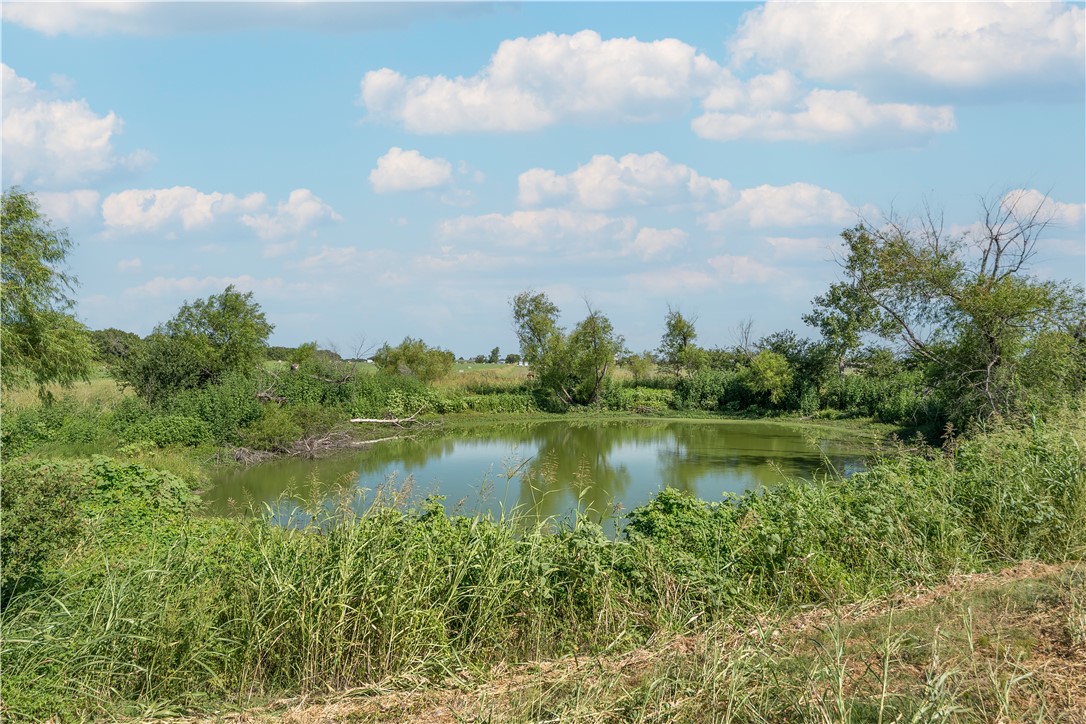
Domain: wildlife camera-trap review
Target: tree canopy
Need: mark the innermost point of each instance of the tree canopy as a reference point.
(205, 340)
(41, 343)
(987, 332)
(575, 367)
(677, 349)
(414, 358)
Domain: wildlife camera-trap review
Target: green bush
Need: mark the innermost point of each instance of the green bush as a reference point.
(628, 399)
(225, 407)
(165, 430)
(39, 520)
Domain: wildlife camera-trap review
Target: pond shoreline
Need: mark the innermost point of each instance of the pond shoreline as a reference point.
(556, 463)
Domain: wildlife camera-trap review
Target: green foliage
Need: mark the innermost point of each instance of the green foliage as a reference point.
(770, 375)
(40, 342)
(113, 345)
(715, 390)
(573, 369)
(965, 307)
(641, 366)
(207, 340)
(632, 399)
(413, 358)
(275, 431)
(164, 609)
(165, 430)
(225, 408)
(677, 349)
(39, 521)
(594, 347)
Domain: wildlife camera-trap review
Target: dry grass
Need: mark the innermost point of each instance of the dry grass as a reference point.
(1002, 647)
(99, 391)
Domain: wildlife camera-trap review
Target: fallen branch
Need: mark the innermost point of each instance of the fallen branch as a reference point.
(397, 421)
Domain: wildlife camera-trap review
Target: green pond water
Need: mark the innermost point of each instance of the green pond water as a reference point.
(547, 468)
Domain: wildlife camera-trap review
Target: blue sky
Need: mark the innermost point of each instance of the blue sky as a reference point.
(372, 171)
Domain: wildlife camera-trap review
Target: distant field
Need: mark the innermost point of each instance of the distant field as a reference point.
(100, 389)
(473, 373)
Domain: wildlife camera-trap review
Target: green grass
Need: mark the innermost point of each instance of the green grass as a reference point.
(155, 610)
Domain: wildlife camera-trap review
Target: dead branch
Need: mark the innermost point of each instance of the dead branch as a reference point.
(397, 421)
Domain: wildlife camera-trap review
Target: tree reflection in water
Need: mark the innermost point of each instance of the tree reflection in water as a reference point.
(547, 467)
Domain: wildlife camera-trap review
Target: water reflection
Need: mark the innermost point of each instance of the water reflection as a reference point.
(547, 467)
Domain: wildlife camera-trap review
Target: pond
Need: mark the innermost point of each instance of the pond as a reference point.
(548, 468)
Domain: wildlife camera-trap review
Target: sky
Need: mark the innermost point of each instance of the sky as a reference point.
(371, 171)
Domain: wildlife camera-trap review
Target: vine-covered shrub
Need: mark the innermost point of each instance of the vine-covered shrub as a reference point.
(39, 520)
(165, 430)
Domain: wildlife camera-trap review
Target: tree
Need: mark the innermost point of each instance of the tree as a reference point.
(594, 346)
(113, 345)
(641, 366)
(542, 342)
(677, 350)
(770, 374)
(41, 343)
(575, 368)
(495, 355)
(964, 305)
(206, 340)
(413, 358)
(512, 358)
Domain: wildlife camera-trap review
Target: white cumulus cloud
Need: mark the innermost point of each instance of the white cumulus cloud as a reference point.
(633, 180)
(65, 207)
(798, 204)
(300, 212)
(653, 243)
(531, 83)
(1023, 202)
(48, 141)
(150, 209)
(941, 46)
(829, 115)
(400, 170)
(157, 209)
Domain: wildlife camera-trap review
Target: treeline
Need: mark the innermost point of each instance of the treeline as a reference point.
(923, 330)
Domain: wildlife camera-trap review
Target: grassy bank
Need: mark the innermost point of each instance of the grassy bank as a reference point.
(148, 610)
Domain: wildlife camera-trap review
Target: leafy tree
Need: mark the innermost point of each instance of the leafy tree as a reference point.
(207, 339)
(41, 343)
(575, 367)
(113, 345)
(984, 329)
(842, 315)
(812, 362)
(677, 349)
(495, 355)
(302, 353)
(594, 346)
(641, 366)
(512, 358)
(770, 374)
(542, 342)
(413, 358)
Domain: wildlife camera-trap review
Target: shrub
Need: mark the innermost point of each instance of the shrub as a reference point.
(39, 520)
(225, 408)
(165, 430)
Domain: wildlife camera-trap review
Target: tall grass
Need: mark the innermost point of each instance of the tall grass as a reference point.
(157, 610)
